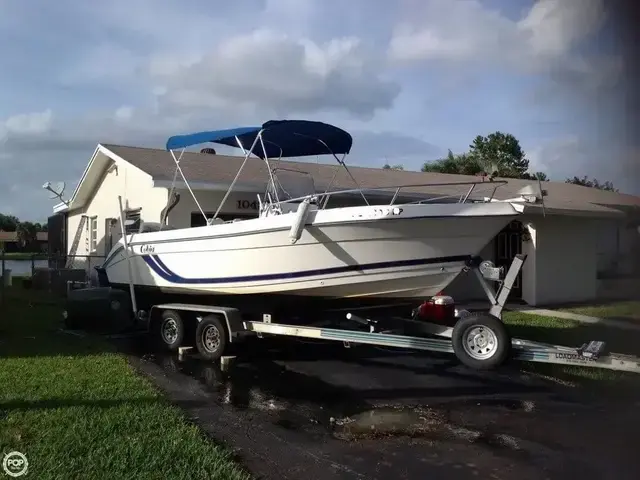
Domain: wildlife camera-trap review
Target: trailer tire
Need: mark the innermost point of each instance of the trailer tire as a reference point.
(170, 330)
(211, 338)
(481, 341)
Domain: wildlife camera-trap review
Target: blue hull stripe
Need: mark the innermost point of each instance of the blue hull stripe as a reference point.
(165, 272)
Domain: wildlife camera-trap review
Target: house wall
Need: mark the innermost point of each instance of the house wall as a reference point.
(529, 267)
(241, 203)
(561, 266)
(137, 191)
(618, 244)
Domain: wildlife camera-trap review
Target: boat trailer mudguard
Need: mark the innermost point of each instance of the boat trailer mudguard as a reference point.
(102, 310)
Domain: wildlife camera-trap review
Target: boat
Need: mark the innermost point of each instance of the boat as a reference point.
(300, 251)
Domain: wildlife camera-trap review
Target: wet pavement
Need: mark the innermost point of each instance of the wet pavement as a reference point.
(294, 409)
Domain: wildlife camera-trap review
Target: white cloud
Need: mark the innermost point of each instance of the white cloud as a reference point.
(468, 34)
(105, 63)
(560, 156)
(451, 30)
(552, 155)
(124, 113)
(552, 27)
(278, 73)
(144, 70)
(28, 123)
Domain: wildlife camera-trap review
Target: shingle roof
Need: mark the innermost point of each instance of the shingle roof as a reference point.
(222, 169)
(13, 236)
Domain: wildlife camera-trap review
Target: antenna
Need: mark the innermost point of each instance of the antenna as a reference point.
(57, 191)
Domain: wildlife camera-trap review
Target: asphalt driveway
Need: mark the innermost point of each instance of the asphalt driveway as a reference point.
(302, 410)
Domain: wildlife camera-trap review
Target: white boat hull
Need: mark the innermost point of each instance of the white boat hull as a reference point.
(359, 252)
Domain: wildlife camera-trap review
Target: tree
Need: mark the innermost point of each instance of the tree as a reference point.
(27, 234)
(386, 166)
(536, 176)
(8, 223)
(595, 183)
(462, 164)
(498, 154)
(501, 154)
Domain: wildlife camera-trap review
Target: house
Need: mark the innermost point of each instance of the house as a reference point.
(9, 242)
(582, 244)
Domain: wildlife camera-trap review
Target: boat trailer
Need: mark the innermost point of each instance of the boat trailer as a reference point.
(475, 338)
(479, 340)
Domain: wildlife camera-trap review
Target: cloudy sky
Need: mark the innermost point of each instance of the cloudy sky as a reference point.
(409, 78)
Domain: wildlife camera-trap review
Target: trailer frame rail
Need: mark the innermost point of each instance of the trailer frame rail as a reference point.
(523, 350)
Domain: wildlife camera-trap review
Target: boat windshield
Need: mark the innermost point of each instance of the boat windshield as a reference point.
(290, 184)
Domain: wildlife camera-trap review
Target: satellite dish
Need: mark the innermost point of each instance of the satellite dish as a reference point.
(57, 191)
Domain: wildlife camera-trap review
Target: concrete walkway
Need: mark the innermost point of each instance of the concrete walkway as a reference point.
(576, 317)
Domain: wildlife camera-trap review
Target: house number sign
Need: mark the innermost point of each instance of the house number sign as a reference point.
(247, 205)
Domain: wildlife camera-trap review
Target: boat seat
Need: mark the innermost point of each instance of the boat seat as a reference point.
(146, 227)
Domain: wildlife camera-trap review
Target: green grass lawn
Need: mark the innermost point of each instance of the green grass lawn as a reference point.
(573, 334)
(76, 409)
(623, 310)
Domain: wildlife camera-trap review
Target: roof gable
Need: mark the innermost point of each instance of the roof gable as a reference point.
(100, 161)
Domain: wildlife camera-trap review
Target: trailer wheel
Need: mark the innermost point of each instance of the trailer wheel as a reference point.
(481, 341)
(211, 338)
(170, 329)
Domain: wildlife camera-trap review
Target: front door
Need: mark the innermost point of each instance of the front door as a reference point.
(508, 245)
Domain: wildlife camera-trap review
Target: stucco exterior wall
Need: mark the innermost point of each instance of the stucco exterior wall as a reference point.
(561, 266)
(241, 203)
(137, 191)
(618, 244)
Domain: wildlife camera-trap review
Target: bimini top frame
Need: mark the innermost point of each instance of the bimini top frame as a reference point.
(278, 139)
(285, 139)
(274, 139)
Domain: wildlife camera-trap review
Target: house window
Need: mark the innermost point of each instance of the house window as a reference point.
(132, 221)
(93, 234)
